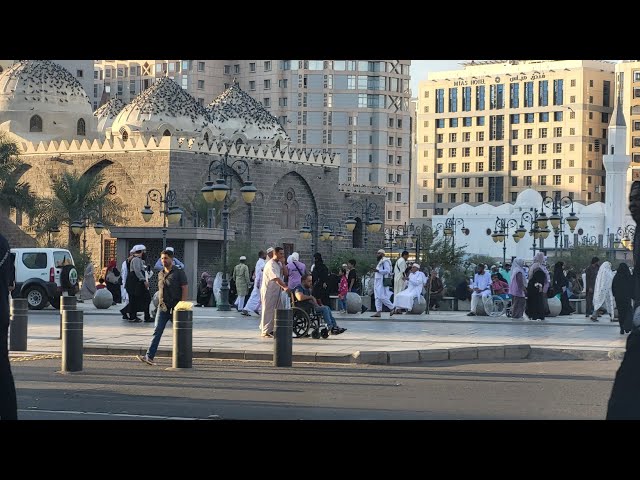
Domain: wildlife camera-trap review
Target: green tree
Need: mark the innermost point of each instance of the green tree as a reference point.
(578, 258)
(13, 193)
(76, 196)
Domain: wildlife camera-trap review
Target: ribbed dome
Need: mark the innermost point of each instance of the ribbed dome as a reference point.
(163, 106)
(43, 86)
(235, 114)
(108, 112)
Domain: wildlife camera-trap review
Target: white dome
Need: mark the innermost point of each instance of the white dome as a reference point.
(41, 100)
(528, 198)
(108, 112)
(163, 106)
(235, 115)
(461, 210)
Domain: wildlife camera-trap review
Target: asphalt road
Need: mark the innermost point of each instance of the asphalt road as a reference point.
(113, 388)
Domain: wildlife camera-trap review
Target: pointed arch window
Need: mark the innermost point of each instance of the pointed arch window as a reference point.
(35, 124)
(239, 141)
(166, 133)
(290, 211)
(82, 129)
(124, 134)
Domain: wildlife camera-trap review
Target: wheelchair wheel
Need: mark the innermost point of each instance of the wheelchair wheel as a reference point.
(315, 334)
(497, 306)
(324, 333)
(301, 322)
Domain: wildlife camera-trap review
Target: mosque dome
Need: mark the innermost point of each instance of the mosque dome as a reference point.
(163, 109)
(236, 116)
(528, 198)
(108, 112)
(41, 100)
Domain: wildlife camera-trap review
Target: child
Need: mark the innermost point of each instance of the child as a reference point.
(101, 284)
(343, 288)
(498, 286)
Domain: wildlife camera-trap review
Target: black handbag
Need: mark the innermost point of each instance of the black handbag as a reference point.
(387, 282)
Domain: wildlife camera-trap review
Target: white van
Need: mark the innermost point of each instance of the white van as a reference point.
(42, 274)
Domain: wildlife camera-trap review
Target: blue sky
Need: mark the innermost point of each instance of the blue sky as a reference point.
(420, 69)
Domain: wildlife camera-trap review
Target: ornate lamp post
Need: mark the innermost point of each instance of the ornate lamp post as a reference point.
(368, 210)
(169, 210)
(449, 229)
(220, 191)
(50, 230)
(557, 219)
(501, 232)
(81, 225)
(538, 227)
(397, 235)
(416, 234)
(626, 235)
(328, 232)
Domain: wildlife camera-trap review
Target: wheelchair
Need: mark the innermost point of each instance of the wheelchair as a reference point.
(499, 305)
(304, 321)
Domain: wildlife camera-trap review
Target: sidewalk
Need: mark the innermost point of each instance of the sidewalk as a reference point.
(401, 339)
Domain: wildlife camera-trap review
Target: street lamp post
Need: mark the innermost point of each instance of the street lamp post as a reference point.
(626, 236)
(367, 210)
(398, 234)
(50, 230)
(220, 191)
(449, 229)
(81, 225)
(169, 211)
(501, 232)
(557, 219)
(329, 231)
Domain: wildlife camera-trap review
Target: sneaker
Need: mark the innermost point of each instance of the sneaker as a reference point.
(471, 314)
(245, 313)
(337, 330)
(145, 359)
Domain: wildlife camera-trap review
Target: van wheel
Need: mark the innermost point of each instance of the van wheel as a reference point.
(36, 298)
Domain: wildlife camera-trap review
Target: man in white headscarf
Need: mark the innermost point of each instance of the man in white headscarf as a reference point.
(398, 274)
(382, 293)
(253, 304)
(270, 289)
(602, 294)
(417, 280)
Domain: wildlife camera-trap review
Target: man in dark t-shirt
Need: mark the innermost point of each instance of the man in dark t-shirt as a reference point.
(8, 403)
(354, 282)
(307, 302)
(172, 288)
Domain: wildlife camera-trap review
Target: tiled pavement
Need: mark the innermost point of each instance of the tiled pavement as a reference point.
(401, 339)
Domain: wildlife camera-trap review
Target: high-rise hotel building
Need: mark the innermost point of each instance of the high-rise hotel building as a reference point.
(490, 130)
(630, 84)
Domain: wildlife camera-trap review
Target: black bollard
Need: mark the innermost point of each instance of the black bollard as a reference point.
(182, 339)
(67, 302)
(72, 340)
(18, 325)
(283, 338)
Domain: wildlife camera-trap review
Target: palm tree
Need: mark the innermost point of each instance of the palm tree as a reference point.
(13, 193)
(75, 197)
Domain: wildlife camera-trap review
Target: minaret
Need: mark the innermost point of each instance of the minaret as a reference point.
(616, 162)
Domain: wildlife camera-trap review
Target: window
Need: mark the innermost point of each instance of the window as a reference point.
(440, 100)
(528, 149)
(283, 101)
(542, 148)
(480, 121)
(398, 197)
(514, 150)
(399, 142)
(389, 215)
(466, 136)
(514, 196)
(557, 148)
(558, 92)
(267, 84)
(425, 198)
(390, 178)
(399, 160)
(81, 128)
(465, 198)
(398, 178)
(227, 69)
(527, 181)
(452, 198)
(544, 116)
(439, 138)
(542, 179)
(529, 118)
(200, 84)
(452, 152)
(573, 83)
(252, 85)
(480, 182)
(236, 69)
(543, 93)
(267, 102)
(201, 66)
(514, 165)
(466, 99)
(79, 73)
(479, 151)
(557, 180)
(528, 133)
(440, 152)
(439, 183)
(390, 160)
(439, 198)
(466, 152)
(496, 96)
(267, 66)
(571, 178)
(466, 167)
(391, 123)
(479, 136)
(452, 168)
(514, 134)
(453, 122)
(557, 163)
(425, 184)
(35, 124)
(542, 132)
(453, 99)
(515, 118)
(34, 261)
(557, 116)
(572, 99)
(591, 132)
(496, 189)
(542, 164)
(467, 122)
(453, 137)
(465, 182)
(589, 180)
(479, 197)
(480, 98)
(557, 132)
(572, 115)
(514, 181)
(479, 167)
(514, 94)
(399, 123)
(391, 141)
(453, 182)
(528, 164)
(528, 94)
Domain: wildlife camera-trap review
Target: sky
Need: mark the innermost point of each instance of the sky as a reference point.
(420, 69)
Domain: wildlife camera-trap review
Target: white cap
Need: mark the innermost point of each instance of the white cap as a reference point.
(417, 265)
(270, 249)
(170, 249)
(138, 248)
(382, 251)
(243, 257)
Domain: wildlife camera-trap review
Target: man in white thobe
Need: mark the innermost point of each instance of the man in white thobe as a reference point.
(398, 274)
(417, 280)
(272, 286)
(254, 303)
(481, 287)
(382, 293)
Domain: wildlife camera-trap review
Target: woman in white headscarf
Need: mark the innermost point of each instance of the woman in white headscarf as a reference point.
(217, 285)
(602, 294)
(88, 289)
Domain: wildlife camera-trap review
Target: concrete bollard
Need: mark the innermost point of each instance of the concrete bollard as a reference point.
(182, 339)
(67, 302)
(283, 338)
(72, 340)
(18, 325)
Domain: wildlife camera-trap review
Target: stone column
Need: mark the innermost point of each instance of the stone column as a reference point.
(191, 265)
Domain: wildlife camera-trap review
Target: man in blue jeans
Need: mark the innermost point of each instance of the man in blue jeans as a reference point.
(306, 301)
(172, 288)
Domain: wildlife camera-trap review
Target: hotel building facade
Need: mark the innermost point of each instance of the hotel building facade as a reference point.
(492, 129)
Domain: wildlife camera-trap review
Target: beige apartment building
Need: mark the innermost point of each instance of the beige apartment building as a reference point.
(630, 70)
(492, 129)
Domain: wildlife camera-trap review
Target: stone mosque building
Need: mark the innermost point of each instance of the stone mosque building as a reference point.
(163, 136)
